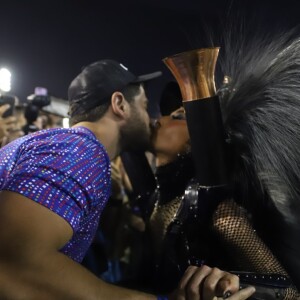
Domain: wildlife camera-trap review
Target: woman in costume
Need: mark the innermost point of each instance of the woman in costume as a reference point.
(239, 196)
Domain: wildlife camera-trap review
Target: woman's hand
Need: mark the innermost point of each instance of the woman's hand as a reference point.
(205, 283)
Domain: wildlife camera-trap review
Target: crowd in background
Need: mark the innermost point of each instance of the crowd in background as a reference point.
(26, 118)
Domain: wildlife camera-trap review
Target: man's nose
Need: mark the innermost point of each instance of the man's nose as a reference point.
(154, 123)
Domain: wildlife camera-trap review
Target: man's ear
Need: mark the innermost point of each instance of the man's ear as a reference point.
(120, 106)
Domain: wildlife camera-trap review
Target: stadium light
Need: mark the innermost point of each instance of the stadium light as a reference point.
(66, 122)
(5, 80)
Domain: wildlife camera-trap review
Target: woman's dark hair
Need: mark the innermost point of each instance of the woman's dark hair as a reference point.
(170, 99)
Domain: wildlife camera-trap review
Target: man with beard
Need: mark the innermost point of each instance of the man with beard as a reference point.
(55, 183)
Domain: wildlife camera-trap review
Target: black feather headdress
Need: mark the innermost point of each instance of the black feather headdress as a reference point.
(261, 112)
(260, 103)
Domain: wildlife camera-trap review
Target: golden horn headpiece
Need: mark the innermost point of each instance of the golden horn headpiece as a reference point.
(194, 71)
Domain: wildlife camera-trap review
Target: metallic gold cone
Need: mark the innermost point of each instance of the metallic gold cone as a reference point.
(194, 71)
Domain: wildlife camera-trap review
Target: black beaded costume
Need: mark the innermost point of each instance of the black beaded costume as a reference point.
(183, 231)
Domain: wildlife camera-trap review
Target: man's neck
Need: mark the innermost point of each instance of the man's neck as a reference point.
(106, 133)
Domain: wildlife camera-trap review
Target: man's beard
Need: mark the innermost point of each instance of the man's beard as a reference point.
(136, 136)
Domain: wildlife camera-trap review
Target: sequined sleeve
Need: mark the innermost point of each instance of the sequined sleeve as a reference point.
(67, 173)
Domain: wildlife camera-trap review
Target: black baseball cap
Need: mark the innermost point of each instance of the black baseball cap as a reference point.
(99, 80)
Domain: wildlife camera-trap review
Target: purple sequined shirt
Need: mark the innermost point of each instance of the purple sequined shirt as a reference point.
(65, 170)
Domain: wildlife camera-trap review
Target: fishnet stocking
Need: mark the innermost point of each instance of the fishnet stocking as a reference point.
(161, 218)
(232, 225)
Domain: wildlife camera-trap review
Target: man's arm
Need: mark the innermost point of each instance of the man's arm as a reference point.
(31, 266)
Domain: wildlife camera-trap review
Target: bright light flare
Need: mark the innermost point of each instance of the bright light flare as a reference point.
(5, 80)
(65, 123)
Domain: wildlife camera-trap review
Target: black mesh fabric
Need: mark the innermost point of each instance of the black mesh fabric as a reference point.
(233, 226)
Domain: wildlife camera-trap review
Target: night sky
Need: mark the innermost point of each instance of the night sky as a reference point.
(46, 43)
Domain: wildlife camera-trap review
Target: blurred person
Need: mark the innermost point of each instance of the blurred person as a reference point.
(106, 255)
(19, 113)
(16, 130)
(49, 120)
(33, 121)
(127, 233)
(53, 120)
(7, 125)
(46, 121)
(55, 184)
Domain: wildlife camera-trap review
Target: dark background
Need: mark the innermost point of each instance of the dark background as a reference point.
(46, 43)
